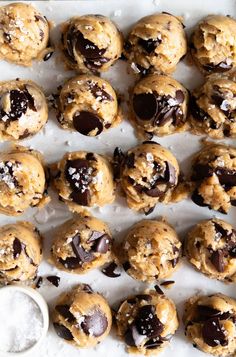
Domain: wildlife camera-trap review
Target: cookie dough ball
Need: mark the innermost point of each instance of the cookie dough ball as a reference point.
(23, 109)
(159, 106)
(147, 322)
(213, 108)
(82, 317)
(84, 179)
(210, 324)
(156, 44)
(22, 181)
(24, 34)
(88, 104)
(151, 251)
(213, 44)
(82, 244)
(20, 252)
(91, 43)
(211, 248)
(214, 175)
(148, 175)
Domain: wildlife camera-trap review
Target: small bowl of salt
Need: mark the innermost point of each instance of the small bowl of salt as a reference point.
(24, 320)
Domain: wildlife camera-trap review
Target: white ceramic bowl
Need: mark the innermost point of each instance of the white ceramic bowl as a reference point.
(45, 314)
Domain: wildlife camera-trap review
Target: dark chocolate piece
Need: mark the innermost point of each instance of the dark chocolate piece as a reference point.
(145, 106)
(54, 280)
(80, 252)
(95, 324)
(149, 45)
(147, 322)
(71, 263)
(109, 270)
(213, 334)
(63, 332)
(64, 310)
(39, 282)
(17, 248)
(158, 290)
(217, 259)
(85, 122)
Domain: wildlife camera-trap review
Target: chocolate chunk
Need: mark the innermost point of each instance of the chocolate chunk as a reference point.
(17, 248)
(95, 324)
(118, 154)
(164, 116)
(145, 297)
(95, 235)
(219, 67)
(226, 176)
(54, 280)
(147, 322)
(158, 290)
(206, 312)
(213, 334)
(87, 288)
(167, 282)
(220, 229)
(48, 56)
(90, 157)
(7, 37)
(63, 332)
(170, 174)
(109, 270)
(87, 48)
(85, 122)
(81, 198)
(126, 266)
(217, 259)
(145, 106)
(20, 100)
(64, 310)
(129, 160)
(39, 282)
(201, 171)
(132, 337)
(148, 210)
(197, 112)
(179, 96)
(80, 252)
(198, 199)
(149, 45)
(153, 343)
(95, 64)
(152, 192)
(99, 93)
(102, 244)
(71, 263)
(232, 252)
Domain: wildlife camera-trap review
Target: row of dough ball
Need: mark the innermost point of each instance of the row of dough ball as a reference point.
(158, 105)
(146, 322)
(148, 174)
(92, 43)
(150, 251)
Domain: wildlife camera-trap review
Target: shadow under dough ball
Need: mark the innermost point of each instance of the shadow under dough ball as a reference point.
(156, 43)
(88, 104)
(22, 181)
(213, 44)
(214, 176)
(211, 248)
(82, 317)
(213, 108)
(84, 179)
(146, 322)
(148, 175)
(151, 251)
(82, 244)
(210, 324)
(20, 252)
(91, 43)
(24, 34)
(23, 109)
(158, 106)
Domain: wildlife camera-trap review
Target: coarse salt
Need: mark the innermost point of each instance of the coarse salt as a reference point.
(21, 323)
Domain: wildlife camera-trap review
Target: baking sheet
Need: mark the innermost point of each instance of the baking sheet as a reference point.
(53, 142)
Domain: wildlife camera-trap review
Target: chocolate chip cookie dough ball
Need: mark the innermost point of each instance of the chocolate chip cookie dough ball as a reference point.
(159, 106)
(151, 251)
(214, 174)
(22, 181)
(88, 104)
(147, 322)
(211, 248)
(156, 44)
(23, 109)
(91, 43)
(148, 175)
(213, 108)
(210, 324)
(84, 179)
(82, 317)
(20, 252)
(82, 244)
(213, 44)
(24, 34)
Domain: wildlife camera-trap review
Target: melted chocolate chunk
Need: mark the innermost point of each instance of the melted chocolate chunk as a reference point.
(80, 252)
(17, 248)
(217, 259)
(110, 270)
(145, 106)
(64, 310)
(149, 45)
(220, 67)
(71, 263)
(54, 280)
(85, 122)
(213, 334)
(147, 322)
(95, 324)
(63, 332)
(87, 48)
